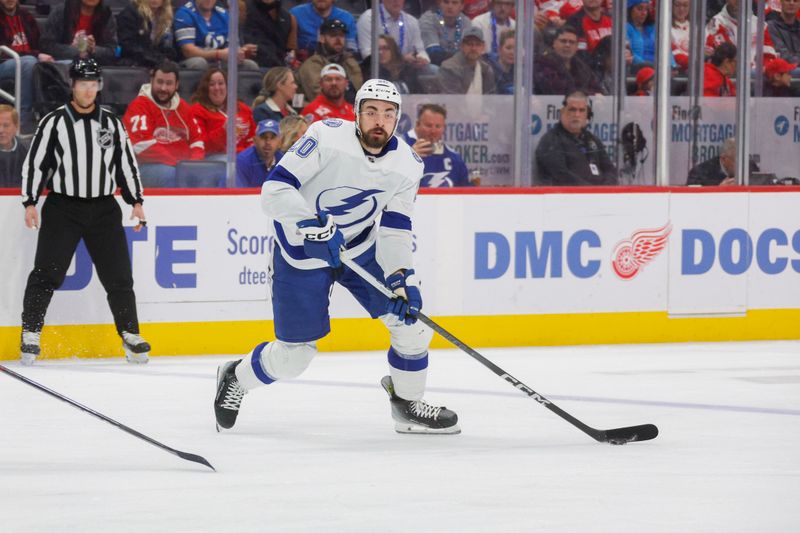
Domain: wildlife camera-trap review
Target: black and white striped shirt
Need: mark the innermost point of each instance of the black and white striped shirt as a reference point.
(81, 155)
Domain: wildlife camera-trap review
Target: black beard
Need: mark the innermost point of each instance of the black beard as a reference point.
(162, 103)
(368, 140)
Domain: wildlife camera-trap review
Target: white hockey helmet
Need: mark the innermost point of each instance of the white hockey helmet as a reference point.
(378, 89)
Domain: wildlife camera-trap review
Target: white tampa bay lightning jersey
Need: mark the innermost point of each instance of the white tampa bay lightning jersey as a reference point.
(371, 197)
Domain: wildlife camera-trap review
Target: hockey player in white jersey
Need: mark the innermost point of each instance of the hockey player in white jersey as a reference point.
(343, 185)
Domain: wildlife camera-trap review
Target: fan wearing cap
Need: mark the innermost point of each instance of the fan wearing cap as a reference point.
(467, 72)
(778, 79)
(310, 16)
(344, 188)
(330, 103)
(254, 164)
(330, 49)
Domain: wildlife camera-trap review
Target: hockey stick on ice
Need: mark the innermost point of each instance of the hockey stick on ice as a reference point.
(612, 436)
(183, 455)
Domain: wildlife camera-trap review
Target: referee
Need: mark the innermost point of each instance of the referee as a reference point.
(82, 153)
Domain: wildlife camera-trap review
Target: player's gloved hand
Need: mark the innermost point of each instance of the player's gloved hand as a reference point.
(406, 285)
(322, 239)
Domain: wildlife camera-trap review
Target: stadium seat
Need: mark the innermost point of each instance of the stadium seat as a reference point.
(249, 85)
(121, 85)
(194, 174)
(430, 84)
(188, 82)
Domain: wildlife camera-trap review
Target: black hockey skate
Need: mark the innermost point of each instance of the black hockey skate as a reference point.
(137, 350)
(229, 395)
(418, 416)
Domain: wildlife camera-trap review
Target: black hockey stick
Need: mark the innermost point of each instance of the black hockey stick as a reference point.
(612, 436)
(183, 455)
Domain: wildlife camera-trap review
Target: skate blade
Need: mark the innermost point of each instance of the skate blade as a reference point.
(416, 429)
(220, 371)
(138, 360)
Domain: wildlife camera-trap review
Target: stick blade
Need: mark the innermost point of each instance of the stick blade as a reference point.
(631, 434)
(194, 458)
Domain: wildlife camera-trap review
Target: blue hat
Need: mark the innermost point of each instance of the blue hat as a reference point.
(634, 3)
(268, 126)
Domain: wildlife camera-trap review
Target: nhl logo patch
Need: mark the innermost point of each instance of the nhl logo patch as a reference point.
(105, 139)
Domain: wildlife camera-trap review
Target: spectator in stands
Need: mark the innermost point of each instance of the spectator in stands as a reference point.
(292, 128)
(645, 80)
(81, 28)
(330, 49)
(466, 72)
(785, 31)
(444, 167)
(277, 92)
(254, 164)
(494, 23)
(144, 28)
(20, 32)
(722, 28)
(201, 35)
(162, 128)
(591, 25)
(560, 71)
(209, 106)
(778, 79)
(718, 71)
(12, 149)
(641, 32)
(401, 26)
(503, 64)
(273, 30)
(680, 32)
(569, 154)
(392, 67)
(310, 17)
(442, 28)
(330, 103)
(719, 170)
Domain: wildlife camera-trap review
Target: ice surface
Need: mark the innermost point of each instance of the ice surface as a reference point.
(320, 454)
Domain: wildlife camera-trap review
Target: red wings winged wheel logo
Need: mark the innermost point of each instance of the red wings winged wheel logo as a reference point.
(633, 254)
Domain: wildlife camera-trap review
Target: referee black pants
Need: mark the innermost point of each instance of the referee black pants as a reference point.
(65, 221)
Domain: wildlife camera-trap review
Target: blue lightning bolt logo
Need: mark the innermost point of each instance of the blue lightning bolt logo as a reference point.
(353, 205)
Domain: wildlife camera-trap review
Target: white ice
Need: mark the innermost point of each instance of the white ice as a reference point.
(320, 453)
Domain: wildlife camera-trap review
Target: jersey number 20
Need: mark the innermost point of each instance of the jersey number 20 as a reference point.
(304, 146)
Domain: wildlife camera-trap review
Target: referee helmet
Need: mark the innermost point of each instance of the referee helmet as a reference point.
(86, 69)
